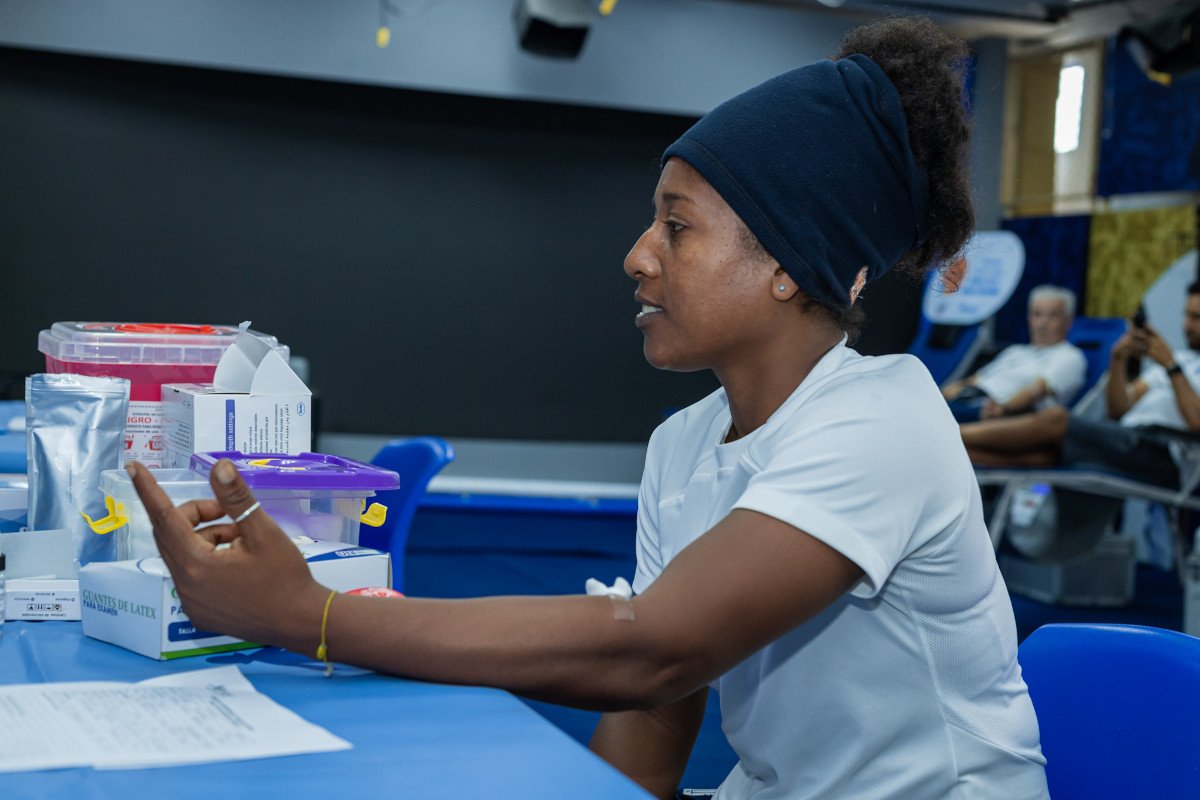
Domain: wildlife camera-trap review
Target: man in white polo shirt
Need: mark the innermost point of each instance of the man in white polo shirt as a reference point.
(1026, 377)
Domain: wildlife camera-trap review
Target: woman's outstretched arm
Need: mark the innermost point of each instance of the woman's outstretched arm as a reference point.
(744, 583)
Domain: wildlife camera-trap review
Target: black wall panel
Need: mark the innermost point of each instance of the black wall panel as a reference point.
(449, 265)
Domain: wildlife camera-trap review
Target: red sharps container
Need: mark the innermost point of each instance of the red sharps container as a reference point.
(149, 355)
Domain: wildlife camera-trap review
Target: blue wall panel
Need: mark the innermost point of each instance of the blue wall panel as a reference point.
(1056, 251)
(1151, 136)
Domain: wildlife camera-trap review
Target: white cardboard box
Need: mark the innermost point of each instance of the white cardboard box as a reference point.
(255, 404)
(134, 604)
(34, 598)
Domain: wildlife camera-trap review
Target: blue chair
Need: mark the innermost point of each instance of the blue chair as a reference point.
(1095, 336)
(1119, 710)
(416, 460)
(948, 351)
(957, 320)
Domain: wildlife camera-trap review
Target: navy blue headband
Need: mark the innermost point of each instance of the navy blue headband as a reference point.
(817, 164)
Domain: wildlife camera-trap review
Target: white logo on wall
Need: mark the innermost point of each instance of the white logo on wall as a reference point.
(994, 263)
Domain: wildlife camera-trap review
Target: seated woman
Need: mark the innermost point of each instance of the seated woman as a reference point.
(1026, 377)
(810, 538)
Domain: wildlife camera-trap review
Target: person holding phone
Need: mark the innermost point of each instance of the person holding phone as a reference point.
(810, 539)
(1132, 442)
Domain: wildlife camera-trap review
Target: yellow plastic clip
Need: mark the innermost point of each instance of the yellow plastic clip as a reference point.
(607, 6)
(383, 36)
(375, 515)
(266, 462)
(115, 519)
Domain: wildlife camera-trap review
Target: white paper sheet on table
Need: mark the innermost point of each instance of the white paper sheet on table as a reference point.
(186, 718)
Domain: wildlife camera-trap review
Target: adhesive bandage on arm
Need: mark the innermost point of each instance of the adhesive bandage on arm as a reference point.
(621, 594)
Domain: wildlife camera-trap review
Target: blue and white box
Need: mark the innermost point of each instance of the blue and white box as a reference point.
(134, 603)
(255, 404)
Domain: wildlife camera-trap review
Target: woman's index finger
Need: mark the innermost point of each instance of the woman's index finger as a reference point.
(172, 529)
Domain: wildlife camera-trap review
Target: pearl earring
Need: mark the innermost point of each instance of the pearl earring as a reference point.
(782, 288)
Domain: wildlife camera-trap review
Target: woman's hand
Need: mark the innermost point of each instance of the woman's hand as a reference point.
(243, 579)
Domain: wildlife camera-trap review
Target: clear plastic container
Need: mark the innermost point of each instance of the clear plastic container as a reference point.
(127, 518)
(147, 355)
(311, 494)
(319, 496)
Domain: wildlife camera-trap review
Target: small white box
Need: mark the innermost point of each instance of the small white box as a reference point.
(133, 603)
(255, 404)
(41, 598)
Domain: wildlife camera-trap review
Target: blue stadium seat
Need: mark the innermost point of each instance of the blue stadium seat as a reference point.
(1119, 710)
(416, 460)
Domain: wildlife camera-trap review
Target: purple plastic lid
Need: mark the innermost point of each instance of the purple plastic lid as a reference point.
(305, 471)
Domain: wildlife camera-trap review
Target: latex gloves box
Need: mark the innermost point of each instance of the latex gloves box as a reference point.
(255, 404)
(134, 603)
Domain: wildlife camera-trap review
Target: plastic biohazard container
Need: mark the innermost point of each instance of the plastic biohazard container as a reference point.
(147, 355)
(320, 496)
(310, 494)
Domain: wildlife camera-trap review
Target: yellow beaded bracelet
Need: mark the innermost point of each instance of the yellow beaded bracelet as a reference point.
(322, 648)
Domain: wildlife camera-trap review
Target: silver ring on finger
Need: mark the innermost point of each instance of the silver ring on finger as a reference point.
(240, 517)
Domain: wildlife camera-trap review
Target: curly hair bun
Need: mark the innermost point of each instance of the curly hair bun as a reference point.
(927, 66)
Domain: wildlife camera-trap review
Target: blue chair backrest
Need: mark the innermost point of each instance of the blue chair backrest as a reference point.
(942, 348)
(1095, 336)
(416, 460)
(1119, 710)
(956, 318)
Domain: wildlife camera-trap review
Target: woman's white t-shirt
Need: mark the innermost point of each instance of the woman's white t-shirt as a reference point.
(906, 687)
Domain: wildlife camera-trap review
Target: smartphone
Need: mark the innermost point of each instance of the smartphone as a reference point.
(1133, 367)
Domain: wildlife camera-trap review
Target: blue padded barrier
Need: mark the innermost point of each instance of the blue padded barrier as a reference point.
(474, 545)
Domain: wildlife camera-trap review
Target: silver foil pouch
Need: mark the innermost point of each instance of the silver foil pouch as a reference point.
(74, 430)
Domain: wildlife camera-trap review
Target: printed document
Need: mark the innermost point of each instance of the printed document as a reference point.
(185, 718)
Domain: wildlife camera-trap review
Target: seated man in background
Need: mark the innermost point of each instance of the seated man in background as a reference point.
(1026, 377)
(1131, 441)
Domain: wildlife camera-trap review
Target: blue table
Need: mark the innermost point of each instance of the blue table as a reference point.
(412, 740)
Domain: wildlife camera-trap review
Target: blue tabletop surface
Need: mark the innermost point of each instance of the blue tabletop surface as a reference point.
(411, 739)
